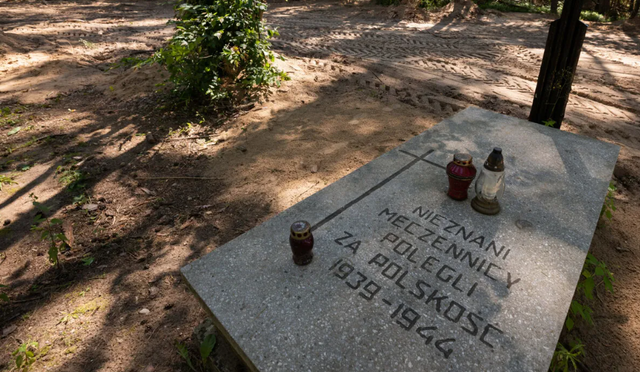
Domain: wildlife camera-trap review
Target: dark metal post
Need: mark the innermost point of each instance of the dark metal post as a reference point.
(559, 63)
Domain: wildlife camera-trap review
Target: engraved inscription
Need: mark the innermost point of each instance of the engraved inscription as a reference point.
(427, 269)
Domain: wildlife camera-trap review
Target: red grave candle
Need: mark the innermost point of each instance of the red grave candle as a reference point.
(301, 241)
(461, 172)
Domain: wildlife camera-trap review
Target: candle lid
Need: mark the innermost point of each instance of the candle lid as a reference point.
(495, 161)
(463, 159)
(300, 230)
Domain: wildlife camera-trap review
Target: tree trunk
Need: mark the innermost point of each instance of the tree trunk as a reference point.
(554, 7)
(635, 10)
(631, 6)
(604, 7)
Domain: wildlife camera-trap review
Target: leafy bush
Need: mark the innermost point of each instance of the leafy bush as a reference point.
(524, 7)
(220, 51)
(588, 15)
(433, 4)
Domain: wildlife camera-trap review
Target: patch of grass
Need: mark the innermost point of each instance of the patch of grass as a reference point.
(87, 261)
(88, 44)
(608, 207)
(182, 130)
(589, 15)
(8, 150)
(72, 178)
(6, 180)
(525, 7)
(128, 62)
(81, 199)
(516, 7)
(565, 359)
(89, 307)
(205, 348)
(433, 4)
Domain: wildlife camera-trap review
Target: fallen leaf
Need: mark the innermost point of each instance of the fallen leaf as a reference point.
(9, 330)
(147, 191)
(90, 207)
(14, 131)
(67, 228)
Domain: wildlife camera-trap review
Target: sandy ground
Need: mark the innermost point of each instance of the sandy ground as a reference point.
(364, 79)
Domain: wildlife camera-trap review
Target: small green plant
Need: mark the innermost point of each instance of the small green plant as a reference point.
(6, 180)
(81, 199)
(88, 44)
(565, 359)
(609, 207)
(549, 123)
(9, 117)
(25, 355)
(72, 178)
(87, 261)
(206, 347)
(51, 230)
(129, 62)
(220, 51)
(594, 273)
(185, 129)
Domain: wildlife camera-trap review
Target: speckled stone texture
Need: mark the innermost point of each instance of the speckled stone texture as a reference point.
(406, 279)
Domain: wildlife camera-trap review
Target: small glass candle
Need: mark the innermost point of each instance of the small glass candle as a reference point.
(490, 184)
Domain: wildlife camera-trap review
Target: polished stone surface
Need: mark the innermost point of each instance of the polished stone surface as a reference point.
(406, 279)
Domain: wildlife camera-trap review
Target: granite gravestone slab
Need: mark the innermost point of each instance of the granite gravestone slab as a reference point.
(406, 279)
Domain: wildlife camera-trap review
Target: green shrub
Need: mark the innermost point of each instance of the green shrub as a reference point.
(433, 4)
(220, 51)
(523, 7)
(588, 15)
(526, 7)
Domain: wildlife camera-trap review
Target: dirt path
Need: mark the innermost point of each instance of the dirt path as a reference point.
(477, 61)
(362, 82)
